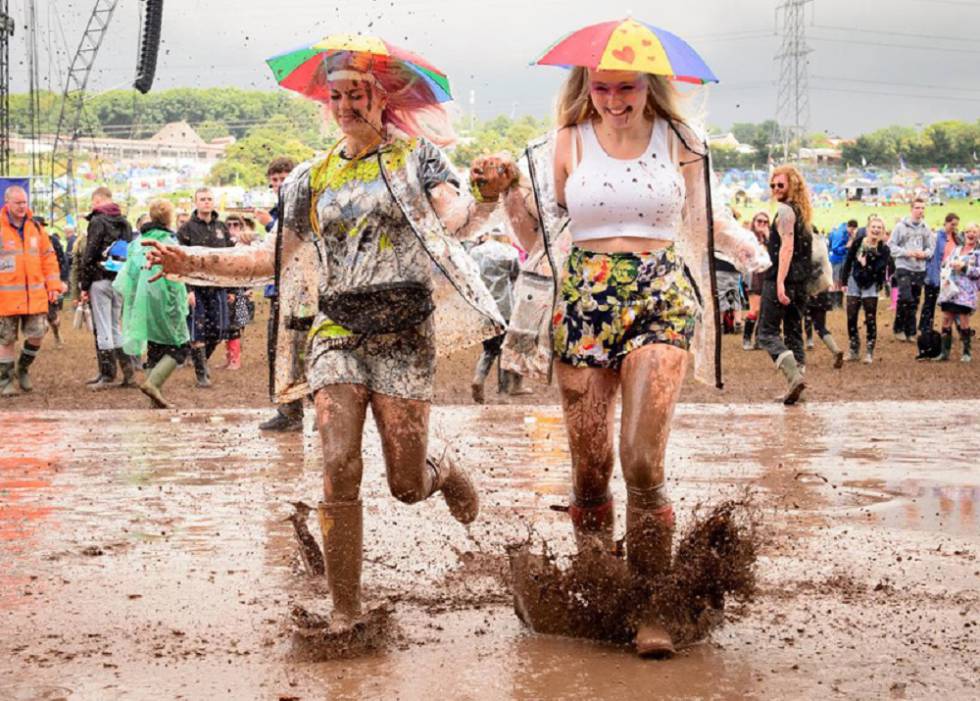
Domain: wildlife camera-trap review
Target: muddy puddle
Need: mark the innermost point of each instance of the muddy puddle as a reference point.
(147, 555)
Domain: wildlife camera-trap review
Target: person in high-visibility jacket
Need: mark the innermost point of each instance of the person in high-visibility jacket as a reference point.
(29, 280)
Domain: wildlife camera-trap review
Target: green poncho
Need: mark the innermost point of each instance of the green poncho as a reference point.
(152, 311)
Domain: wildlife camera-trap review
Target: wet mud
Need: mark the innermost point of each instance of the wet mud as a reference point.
(597, 596)
(149, 554)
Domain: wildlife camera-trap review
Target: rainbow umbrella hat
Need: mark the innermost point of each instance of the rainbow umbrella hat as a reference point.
(628, 45)
(296, 70)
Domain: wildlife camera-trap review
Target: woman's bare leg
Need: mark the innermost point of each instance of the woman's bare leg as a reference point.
(340, 412)
(588, 398)
(413, 474)
(651, 379)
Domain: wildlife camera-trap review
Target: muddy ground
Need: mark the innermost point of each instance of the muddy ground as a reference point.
(145, 555)
(750, 377)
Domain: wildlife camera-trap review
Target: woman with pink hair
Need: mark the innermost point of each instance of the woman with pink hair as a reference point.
(367, 250)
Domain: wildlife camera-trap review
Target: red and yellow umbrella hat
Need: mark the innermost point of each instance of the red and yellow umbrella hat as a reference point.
(629, 45)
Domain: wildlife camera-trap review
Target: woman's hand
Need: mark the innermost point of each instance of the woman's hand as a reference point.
(493, 176)
(172, 259)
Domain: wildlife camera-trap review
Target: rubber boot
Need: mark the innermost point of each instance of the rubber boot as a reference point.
(456, 487)
(966, 335)
(126, 366)
(234, 347)
(594, 524)
(56, 330)
(794, 378)
(27, 355)
(107, 368)
(480, 377)
(200, 359)
(854, 349)
(747, 332)
(832, 346)
(946, 347)
(154, 381)
(649, 539)
(7, 386)
(869, 356)
(514, 384)
(342, 527)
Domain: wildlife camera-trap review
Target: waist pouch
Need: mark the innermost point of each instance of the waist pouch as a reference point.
(388, 307)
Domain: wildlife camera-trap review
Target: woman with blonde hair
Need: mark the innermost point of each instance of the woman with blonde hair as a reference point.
(624, 187)
(864, 273)
(154, 319)
(367, 262)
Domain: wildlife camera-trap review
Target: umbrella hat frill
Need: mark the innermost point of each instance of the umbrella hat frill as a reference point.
(301, 69)
(629, 45)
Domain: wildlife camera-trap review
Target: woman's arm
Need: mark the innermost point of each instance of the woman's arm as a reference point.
(460, 213)
(852, 252)
(222, 267)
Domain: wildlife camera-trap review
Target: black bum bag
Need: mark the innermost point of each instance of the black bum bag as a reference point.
(388, 307)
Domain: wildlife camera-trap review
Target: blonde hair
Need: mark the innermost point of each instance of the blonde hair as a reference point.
(798, 192)
(161, 213)
(875, 218)
(575, 106)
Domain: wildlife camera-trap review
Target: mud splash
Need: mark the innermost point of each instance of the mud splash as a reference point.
(597, 597)
(315, 640)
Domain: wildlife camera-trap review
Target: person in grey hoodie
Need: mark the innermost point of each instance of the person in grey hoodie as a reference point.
(911, 245)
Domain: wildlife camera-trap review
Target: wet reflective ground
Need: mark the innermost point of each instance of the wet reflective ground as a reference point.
(143, 555)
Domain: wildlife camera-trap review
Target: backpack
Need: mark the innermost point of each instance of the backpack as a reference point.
(930, 344)
(115, 256)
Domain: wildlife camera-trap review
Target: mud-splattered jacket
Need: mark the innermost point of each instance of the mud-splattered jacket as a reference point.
(465, 311)
(706, 225)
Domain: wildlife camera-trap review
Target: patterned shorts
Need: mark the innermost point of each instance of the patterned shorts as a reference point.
(396, 364)
(31, 325)
(613, 303)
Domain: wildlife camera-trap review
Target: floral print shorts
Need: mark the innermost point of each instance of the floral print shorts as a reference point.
(613, 303)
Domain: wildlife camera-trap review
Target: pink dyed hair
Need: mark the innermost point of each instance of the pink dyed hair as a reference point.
(411, 106)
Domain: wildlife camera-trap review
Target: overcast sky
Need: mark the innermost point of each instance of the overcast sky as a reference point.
(874, 63)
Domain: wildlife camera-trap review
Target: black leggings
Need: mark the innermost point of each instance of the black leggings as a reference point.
(870, 305)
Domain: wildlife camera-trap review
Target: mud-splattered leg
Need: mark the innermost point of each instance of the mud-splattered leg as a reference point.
(588, 397)
(413, 473)
(651, 379)
(340, 412)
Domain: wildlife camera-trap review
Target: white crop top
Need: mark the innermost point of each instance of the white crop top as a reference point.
(639, 197)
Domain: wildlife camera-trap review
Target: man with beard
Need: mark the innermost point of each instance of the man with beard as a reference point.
(784, 292)
(209, 305)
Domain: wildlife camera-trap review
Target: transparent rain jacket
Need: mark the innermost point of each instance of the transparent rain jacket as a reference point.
(465, 313)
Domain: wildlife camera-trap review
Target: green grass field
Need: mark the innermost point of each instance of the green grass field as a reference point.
(826, 218)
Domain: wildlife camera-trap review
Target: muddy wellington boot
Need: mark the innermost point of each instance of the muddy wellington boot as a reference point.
(946, 346)
(854, 350)
(747, 332)
(342, 527)
(107, 371)
(27, 355)
(155, 379)
(7, 386)
(649, 537)
(832, 346)
(594, 523)
(794, 377)
(966, 335)
(199, 356)
(234, 347)
(480, 377)
(126, 366)
(456, 487)
(869, 356)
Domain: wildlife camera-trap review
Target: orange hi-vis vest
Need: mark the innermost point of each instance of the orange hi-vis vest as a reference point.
(28, 267)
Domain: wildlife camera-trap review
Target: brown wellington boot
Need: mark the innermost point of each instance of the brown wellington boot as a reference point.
(594, 524)
(649, 536)
(342, 526)
(456, 487)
